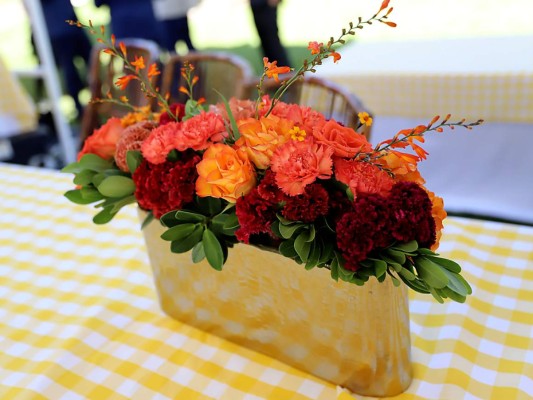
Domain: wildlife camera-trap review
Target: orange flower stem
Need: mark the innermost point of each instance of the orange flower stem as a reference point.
(324, 52)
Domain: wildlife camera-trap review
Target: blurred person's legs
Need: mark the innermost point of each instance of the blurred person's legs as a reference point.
(66, 49)
(175, 30)
(266, 23)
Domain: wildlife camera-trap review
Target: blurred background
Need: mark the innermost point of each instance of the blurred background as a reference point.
(228, 25)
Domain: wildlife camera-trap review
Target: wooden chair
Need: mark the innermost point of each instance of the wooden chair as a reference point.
(227, 73)
(104, 70)
(323, 95)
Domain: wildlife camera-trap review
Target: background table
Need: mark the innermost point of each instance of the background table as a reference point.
(484, 171)
(79, 317)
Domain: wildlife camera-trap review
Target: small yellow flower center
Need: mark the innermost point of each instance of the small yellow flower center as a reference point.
(297, 134)
(365, 118)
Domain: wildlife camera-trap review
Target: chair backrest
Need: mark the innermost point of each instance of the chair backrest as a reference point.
(323, 95)
(104, 70)
(227, 73)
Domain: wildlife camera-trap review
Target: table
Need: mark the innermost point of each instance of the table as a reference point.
(406, 83)
(79, 317)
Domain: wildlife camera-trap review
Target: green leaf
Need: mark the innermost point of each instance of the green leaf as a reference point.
(288, 230)
(231, 222)
(380, 268)
(236, 134)
(302, 246)
(334, 269)
(169, 219)
(426, 252)
(448, 264)
(134, 158)
(405, 273)
(213, 250)
(104, 216)
(149, 218)
(93, 162)
(198, 253)
(430, 272)
(453, 295)
(84, 177)
(396, 255)
(409, 247)
(435, 295)
(72, 168)
(187, 243)
(209, 205)
(116, 186)
(314, 256)
(189, 216)
(75, 196)
(286, 249)
(91, 193)
(178, 232)
(456, 284)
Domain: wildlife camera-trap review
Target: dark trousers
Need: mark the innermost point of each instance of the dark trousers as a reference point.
(266, 22)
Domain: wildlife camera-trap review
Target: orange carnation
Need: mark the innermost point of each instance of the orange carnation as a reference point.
(439, 214)
(103, 142)
(298, 164)
(362, 177)
(260, 138)
(344, 141)
(224, 173)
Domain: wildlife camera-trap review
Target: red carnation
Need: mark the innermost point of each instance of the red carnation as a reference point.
(269, 190)
(178, 109)
(167, 186)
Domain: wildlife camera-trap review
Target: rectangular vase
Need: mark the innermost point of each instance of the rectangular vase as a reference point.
(355, 337)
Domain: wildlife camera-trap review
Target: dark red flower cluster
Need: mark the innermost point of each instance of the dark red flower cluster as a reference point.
(364, 229)
(167, 186)
(411, 217)
(308, 206)
(377, 221)
(257, 210)
(178, 109)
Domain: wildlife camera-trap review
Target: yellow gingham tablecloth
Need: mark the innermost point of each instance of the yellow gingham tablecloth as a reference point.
(489, 78)
(79, 317)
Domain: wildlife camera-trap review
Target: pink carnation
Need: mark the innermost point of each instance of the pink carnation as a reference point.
(199, 131)
(132, 139)
(298, 164)
(161, 141)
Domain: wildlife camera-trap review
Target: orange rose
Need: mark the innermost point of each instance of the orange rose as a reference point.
(260, 138)
(344, 141)
(224, 173)
(103, 142)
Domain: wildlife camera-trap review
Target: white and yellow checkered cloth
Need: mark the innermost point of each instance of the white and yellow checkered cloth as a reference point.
(476, 78)
(79, 317)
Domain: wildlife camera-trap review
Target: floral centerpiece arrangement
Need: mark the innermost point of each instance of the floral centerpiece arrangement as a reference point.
(275, 175)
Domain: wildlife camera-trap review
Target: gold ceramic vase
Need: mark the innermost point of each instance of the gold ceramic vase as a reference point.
(355, 337)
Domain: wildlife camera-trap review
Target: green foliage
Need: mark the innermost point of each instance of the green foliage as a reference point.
(208, 228)
(99, 180)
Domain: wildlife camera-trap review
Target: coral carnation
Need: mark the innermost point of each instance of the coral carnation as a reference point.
(162, 140)
(298, 164)
(200, 131)
(362, 177)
